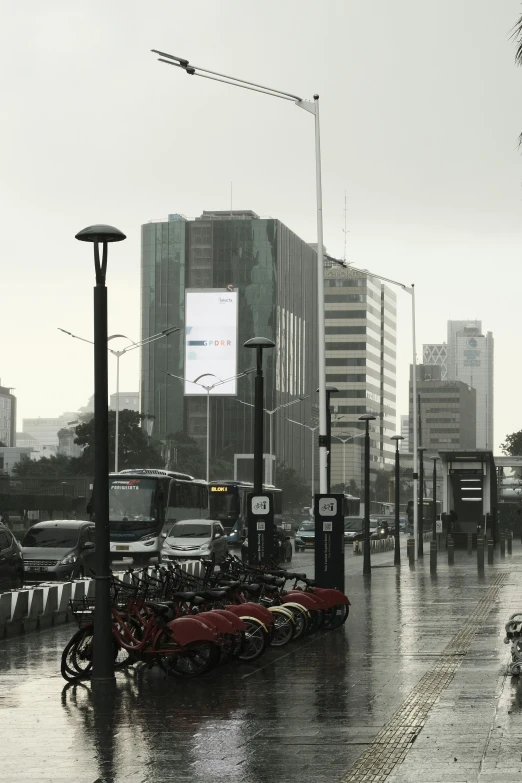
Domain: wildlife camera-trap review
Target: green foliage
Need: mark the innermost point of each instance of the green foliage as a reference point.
(184, 454)
(56, 466)
(136, 449)
(296, 493)
(513, 444)
(381, 487)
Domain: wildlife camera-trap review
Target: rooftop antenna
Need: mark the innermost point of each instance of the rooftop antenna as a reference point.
(345, 229)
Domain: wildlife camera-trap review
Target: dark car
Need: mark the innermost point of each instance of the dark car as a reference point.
(11, 563)
(60, 549)
(284, 548)
(353, 529)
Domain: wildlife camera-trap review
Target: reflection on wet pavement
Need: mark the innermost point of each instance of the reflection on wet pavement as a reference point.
(304, 712)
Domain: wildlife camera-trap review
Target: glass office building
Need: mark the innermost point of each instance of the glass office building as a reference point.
(360, 326)
(274, 272)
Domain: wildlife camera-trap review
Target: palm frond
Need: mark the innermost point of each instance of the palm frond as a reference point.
(516, 34)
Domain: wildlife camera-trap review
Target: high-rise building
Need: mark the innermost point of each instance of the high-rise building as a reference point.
(436, 353)
(360, 329)
(45, 431)
(7, 416)
(446, 411)
(404, 445)
(470, 360)
(274, 273)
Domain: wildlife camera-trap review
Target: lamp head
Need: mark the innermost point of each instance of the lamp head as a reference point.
(367, 417)
(259, 342)
(100, 233)
(397, 438)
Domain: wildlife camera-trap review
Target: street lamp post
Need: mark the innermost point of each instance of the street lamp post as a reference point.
(103, 647)
(397, 556)
(434, 527)
(270, 414)
(208, 388)
(420, 543)
(367, 565)
(313, 108)
(312, 432)
(259, 343)
(118, 355)
(410, 290)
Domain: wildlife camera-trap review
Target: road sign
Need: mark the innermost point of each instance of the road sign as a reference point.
(329, 541)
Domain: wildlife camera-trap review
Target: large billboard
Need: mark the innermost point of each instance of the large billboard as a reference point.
(210, 339)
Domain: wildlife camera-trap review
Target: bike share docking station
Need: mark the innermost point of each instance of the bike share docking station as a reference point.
(329, 541)
(261, 528)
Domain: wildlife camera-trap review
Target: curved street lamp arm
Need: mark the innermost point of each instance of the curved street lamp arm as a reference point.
(83, 339)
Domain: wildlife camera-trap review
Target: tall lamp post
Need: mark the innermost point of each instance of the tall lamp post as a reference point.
(420, 543)
(367, 565)
(103, 647)
(118, 355)
(410, 290)
(434, 527)
(271, 436)
(259, 343)
(313, 108)
(329, 391)
(397, 556)
(344, 441)
(312, 432)
(208, 388)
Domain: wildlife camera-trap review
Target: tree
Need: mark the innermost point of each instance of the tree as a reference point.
(55, 466)
(296, 493)
(513, 443)
(136, 449)
(184, 455)
(381, 487)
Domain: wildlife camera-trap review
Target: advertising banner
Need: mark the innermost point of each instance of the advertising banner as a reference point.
(211, 339)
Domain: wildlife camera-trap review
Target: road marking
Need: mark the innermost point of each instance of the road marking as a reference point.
(390, 746)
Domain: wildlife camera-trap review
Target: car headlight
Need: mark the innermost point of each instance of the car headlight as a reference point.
(150, 542)
(69, 559)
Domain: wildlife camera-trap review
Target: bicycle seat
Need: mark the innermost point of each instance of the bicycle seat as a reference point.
(310, 582)
(267, 580)
(160, 609)
(214, 594)
(185, 596)
(279, 582)
(228, 585)
(252, 589)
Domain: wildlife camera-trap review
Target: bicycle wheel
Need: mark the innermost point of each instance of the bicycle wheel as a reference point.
(76, 660)
(337, 616)
(317, 620)
(284, 627)
(301, 617)
(193, 660)
(254, 643)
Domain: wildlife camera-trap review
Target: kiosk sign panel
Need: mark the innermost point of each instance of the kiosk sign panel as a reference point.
(329, 541)
(261, 528)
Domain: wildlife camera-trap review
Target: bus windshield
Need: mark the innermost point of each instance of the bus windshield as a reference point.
(224, 505)
(131, 500)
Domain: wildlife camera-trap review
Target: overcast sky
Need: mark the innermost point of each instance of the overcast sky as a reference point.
(420, 113)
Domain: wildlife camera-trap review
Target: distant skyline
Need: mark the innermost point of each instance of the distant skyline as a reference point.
(420, 121)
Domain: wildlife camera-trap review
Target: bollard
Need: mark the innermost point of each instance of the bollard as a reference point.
(480, 553)
(470, 543)
(510, 544)
(433, 557)
(502, 545)
(410, 548)
(451, 551)
(490, 551)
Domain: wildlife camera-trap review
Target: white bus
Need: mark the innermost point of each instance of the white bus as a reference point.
(144, 503)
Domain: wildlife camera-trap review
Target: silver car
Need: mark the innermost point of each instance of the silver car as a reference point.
(194, 538)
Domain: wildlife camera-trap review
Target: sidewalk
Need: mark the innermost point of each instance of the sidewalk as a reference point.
(412, 689)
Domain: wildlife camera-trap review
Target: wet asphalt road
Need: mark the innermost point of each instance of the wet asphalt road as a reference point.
(306, 712)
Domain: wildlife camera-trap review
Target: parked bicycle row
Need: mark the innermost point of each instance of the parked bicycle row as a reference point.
(187, 625)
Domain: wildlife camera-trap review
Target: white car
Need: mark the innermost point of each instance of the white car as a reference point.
(193, 538)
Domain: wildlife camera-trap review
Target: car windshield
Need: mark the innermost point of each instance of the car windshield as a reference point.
(353, 524)
(224, 505)
(307, 526)
(190, 530)
(131, 500)
(54, 537)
